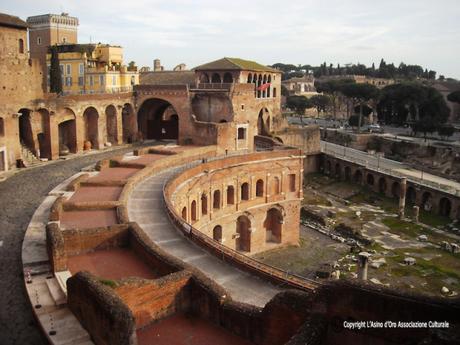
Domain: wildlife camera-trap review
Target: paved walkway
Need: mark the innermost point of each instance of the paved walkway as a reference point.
(145, 206)
(391, 167)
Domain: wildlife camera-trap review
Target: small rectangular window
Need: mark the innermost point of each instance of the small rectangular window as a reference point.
(39, 40)
(80, 81)
(241, 133)
(242, 106)
(91, 80)
(68, 81)
(81, 69)
(114, 80)
(101, 79)
(68, 69)
(292, 182)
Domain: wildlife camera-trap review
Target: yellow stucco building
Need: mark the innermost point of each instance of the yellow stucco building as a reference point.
(93, 68)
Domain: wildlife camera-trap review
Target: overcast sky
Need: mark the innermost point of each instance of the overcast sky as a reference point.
(423, 32)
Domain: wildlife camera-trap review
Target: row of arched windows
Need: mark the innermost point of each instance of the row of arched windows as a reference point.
(262, 84)
(230, 200)
(216, 78)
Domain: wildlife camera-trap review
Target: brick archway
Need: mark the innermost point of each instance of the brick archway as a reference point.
(158, 119)
(243, 229)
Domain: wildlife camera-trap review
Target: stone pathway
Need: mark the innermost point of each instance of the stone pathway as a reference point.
(145, 206)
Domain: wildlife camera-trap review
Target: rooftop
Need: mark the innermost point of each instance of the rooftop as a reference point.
(167, 78)
(12, 21)
(237, 64)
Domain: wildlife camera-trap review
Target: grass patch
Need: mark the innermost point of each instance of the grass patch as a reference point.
(109, 283)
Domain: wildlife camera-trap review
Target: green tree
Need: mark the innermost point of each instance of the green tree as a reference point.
(55, 71)
(353, 120)
(360, 94)
(454, 97)
(132, 66)
(332, 88)
(320, 102)
(299, 104)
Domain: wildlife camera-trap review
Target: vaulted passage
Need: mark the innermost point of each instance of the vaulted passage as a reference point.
(67, 136)
(157, 119)
(273, 224)
(25, 130)
(243, 229)
(128, 120)
(91, 128)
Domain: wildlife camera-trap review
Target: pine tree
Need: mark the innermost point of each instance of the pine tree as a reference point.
(55, 72)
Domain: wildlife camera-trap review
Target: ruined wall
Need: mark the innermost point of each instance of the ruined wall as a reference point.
(248, 186)
(152, 300)
(100, 311)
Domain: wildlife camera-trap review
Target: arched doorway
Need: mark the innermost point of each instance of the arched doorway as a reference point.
(204, 204)
(26, 135)
(44, 135)
(262, 128)
(193, 211)
(382, 185)
(273, 225)
(217, 233)
(245, 191)
(358, 177)
(111, 124)
(157, 119)
(370, 179)
(216, 78)
(216, 200)
(427, 201)
(204, 78)
(184, 213)
(328, 168)
(411, 195)
(260, 188)
(337, 171)
(230, 195)
(67, 129)
(243, 229)
(228, 78)
(128, 123)
(445, 206)
(91, 127)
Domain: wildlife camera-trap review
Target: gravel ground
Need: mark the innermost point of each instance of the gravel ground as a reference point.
(20, 195)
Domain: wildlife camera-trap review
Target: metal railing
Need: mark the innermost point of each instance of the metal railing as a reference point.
(214, 86)
(223, 252)
(340, 152)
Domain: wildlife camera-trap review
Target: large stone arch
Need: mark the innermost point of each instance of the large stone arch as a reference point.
(262, 122)
(411, 195)
(111, 124)
(273, 225)
(91, 128)
(382, 185)
(395, 189)
(358, 176)
(370, 180)
(243, 230)
(67, 131)
(212, 107)
(445, 207)
(347, 173)
(427, 201)
(156, 119)
(44, 134)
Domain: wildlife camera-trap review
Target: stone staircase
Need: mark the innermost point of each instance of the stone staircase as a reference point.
(28, 157)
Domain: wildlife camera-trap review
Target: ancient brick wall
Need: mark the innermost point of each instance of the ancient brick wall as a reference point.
(152, 300)
(100, 311)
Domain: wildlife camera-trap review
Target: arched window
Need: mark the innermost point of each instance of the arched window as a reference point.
(216, 78)
(2, 127)
(217, 233)
(204, 78)
(184, 213)
(260, 188)
(230, 195)
(193, 210)
(274, 92)
(228, 78)
(245, 191)
(21, 46)
(204, 204)
(249, 78)
(216, 199)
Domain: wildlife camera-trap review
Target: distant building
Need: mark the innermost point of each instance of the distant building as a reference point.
(49, 29)
(303, 86)
(93, 68)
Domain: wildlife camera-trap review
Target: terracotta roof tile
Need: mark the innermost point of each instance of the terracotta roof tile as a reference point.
(227, 63)
(12, 21)
(167, 78)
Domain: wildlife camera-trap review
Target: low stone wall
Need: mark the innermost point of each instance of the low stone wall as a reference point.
(152, 300)
(75, 183)
(100, 311)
